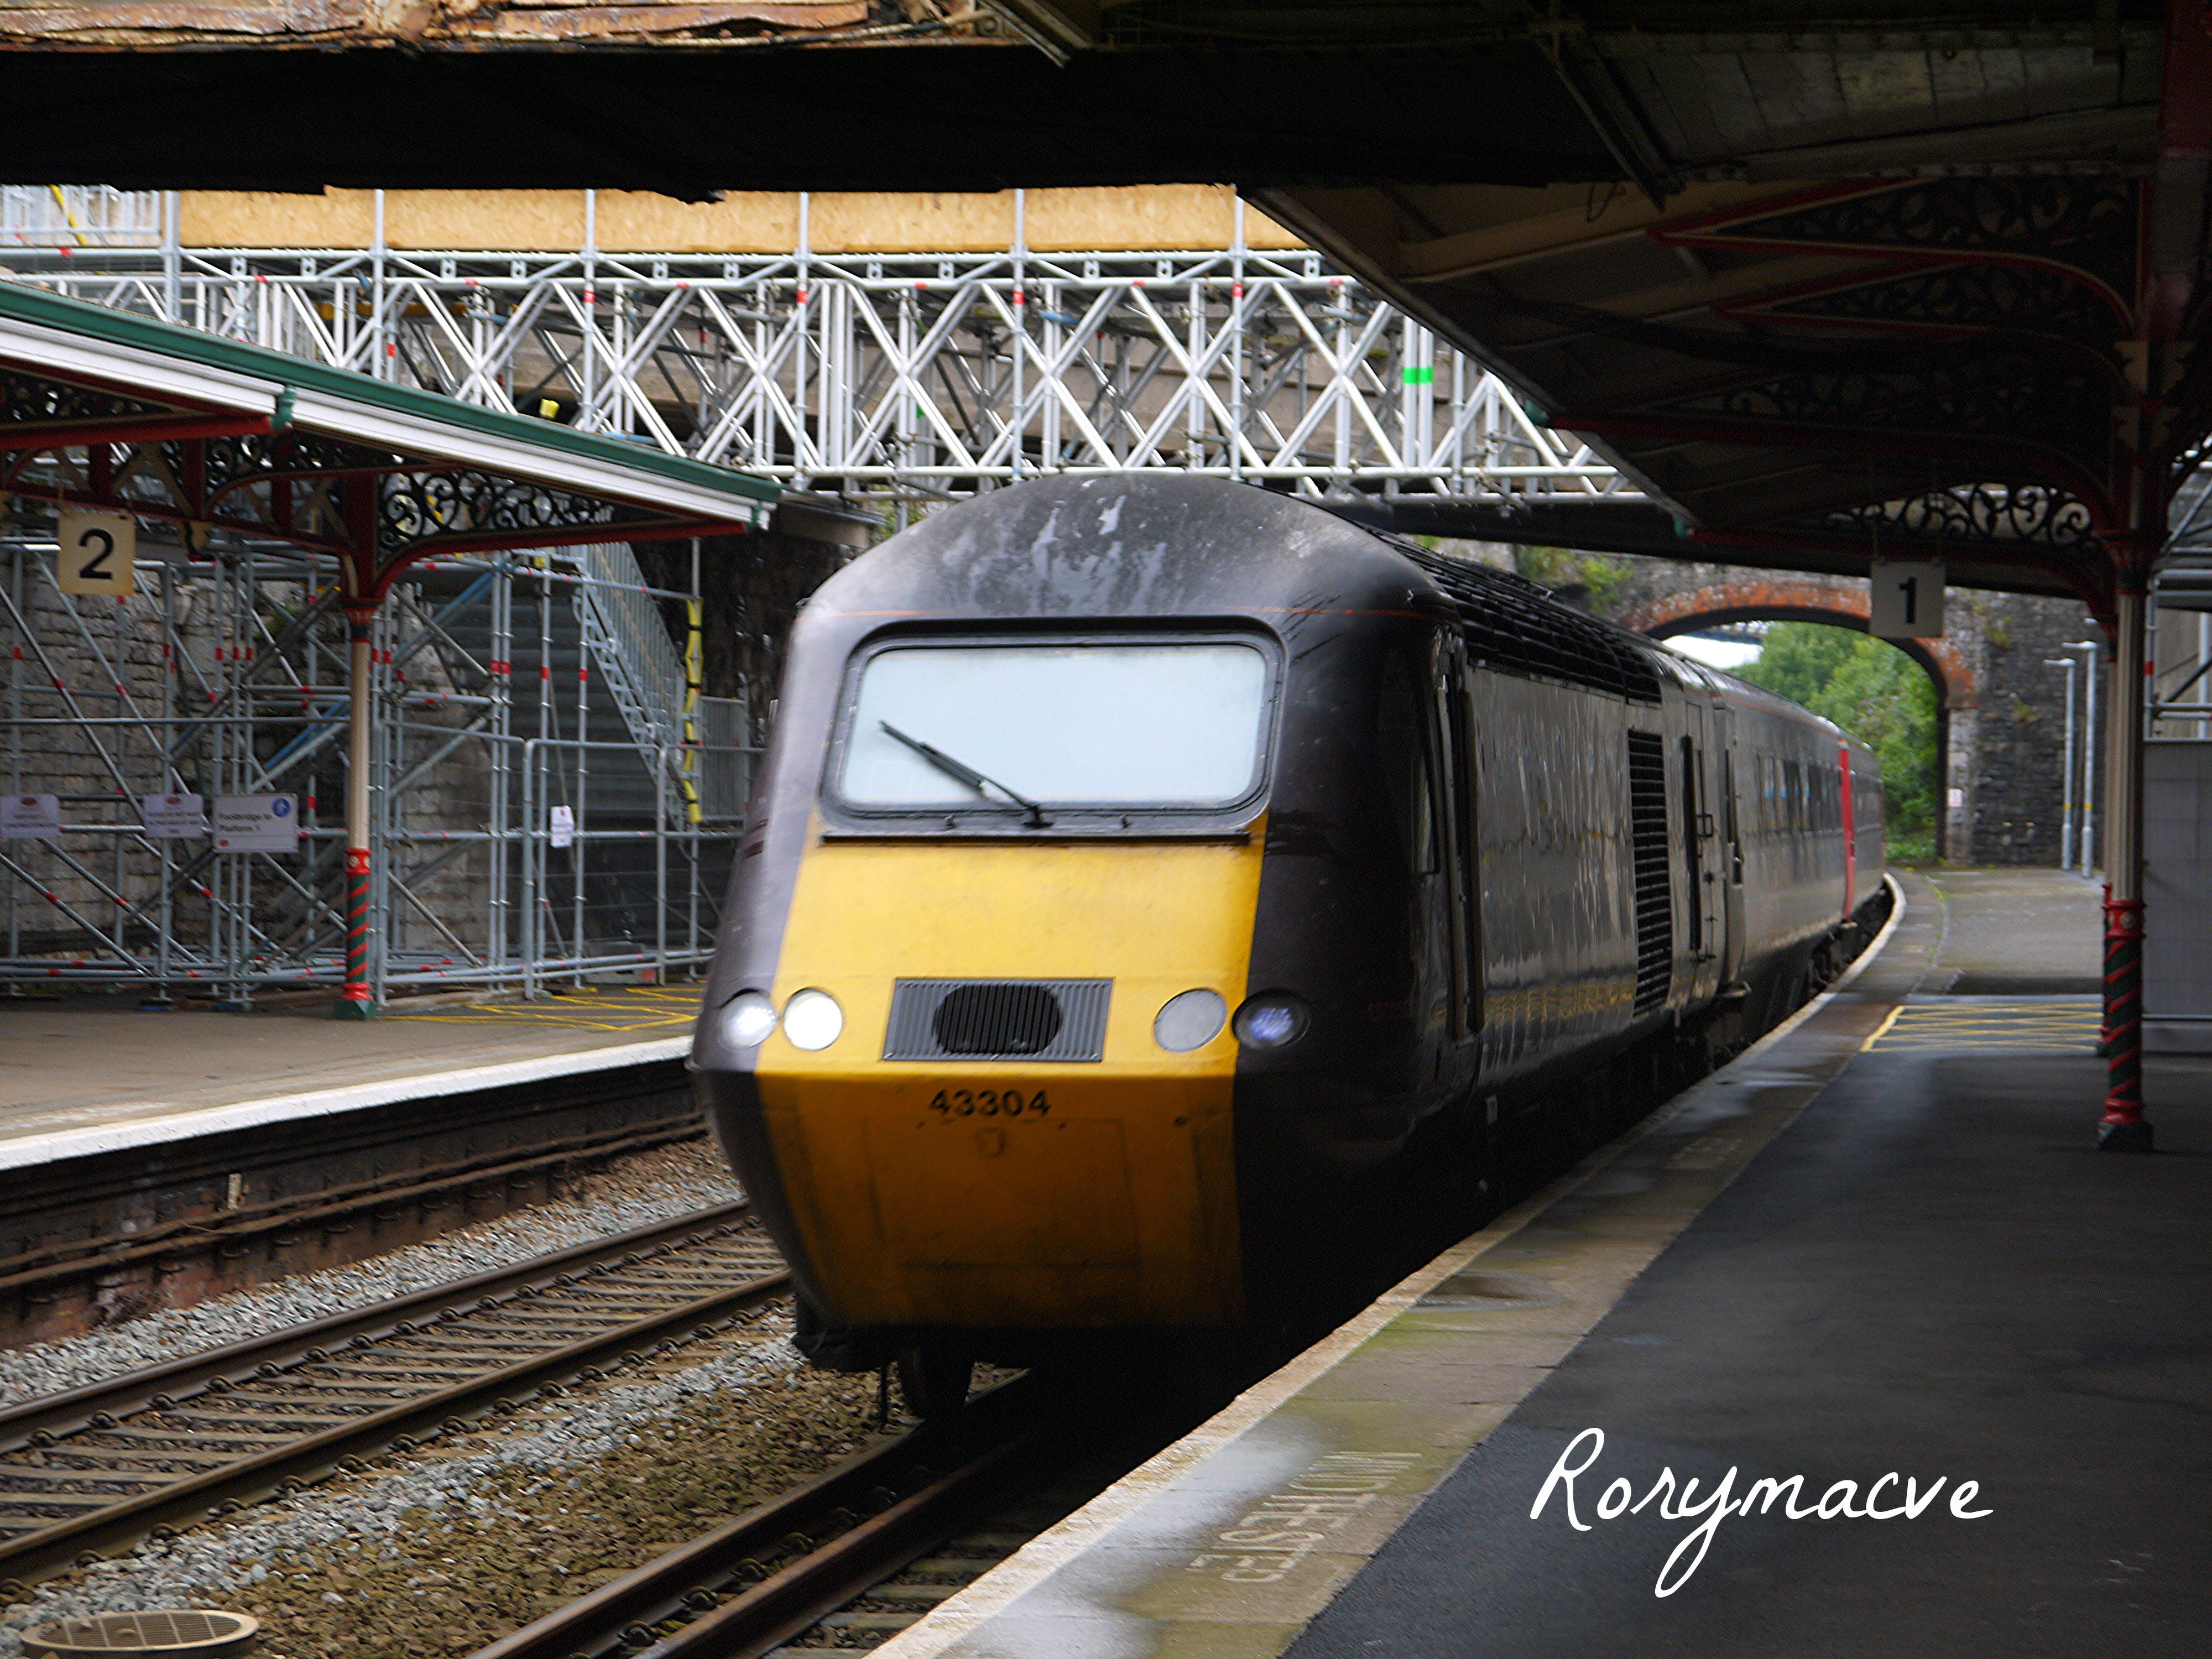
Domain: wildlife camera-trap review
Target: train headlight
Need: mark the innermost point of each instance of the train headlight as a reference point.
(813, 1019)
(1270, 1020)
(1189, 1021)
(747, 1018)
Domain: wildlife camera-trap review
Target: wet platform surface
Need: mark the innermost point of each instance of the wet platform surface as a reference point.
(1881, 1245)
(2015, 932)
(90, 1062)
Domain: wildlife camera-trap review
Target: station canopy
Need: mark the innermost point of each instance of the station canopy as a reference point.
(104, 409)
(1833, 279)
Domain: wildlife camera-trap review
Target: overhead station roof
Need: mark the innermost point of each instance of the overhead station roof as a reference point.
(104, 409)
(1852, 292)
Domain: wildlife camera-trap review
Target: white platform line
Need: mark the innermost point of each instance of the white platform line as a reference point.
(203, 1121)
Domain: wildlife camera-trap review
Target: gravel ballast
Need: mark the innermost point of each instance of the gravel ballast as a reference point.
(444, 1550)
(629, 1192)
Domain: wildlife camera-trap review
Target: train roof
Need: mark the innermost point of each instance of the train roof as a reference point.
(1168, 544)
(1152, 545)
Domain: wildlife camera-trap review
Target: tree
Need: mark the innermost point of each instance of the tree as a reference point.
(1878, 695)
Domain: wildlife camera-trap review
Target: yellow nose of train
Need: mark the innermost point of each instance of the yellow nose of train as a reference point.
(986, 1128)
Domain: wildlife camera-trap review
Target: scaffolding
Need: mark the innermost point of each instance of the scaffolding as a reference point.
(552, 797)
(895, 378)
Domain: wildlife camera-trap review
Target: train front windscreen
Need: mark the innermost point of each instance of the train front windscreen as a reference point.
(1172, 725)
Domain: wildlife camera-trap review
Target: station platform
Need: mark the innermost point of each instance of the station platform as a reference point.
(88, 1074)
(1879, 1249)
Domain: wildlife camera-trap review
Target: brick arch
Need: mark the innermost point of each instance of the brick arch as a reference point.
(1837, 603)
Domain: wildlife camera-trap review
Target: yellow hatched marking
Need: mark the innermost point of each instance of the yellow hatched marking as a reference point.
(1992, 1026)
(1883, 1029)
(626, 1008)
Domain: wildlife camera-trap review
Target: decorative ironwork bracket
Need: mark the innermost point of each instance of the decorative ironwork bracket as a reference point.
(377, 510)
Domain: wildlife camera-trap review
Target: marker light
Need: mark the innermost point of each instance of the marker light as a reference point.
(1189, 1021)
(1270, 1020)
(813, 1019)
(747, 1018)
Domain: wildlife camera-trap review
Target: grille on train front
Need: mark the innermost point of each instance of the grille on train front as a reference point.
(1043, 1019)
(1654, 909)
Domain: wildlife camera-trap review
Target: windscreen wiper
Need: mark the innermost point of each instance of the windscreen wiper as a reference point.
(969, 776)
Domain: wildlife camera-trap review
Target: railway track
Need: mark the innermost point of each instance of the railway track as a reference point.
(87, 1472)
(783, 1567)
(55, 1289)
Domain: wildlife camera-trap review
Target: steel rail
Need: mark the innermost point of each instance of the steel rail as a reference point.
(218, 1384)
(889, 1507)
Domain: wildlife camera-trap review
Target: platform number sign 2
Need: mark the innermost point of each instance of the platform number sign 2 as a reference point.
(1906, 600)
(96, 551)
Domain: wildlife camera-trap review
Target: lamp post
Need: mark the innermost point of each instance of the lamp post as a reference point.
(2088, 751)
(2066, 767)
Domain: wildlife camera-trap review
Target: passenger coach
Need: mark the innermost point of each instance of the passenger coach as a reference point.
(1159, 889)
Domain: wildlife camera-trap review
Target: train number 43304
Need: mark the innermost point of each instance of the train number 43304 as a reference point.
(990, 1102)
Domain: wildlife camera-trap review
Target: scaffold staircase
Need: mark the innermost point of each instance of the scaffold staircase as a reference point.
(603, 631)
(617, 618)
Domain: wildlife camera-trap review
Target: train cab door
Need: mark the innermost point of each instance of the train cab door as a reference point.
(1418, 754)
(1462, 891)
(1704, 913)
(1731, 852)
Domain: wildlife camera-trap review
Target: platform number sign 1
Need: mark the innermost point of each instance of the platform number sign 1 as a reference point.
(96, 551)
(1907, 600)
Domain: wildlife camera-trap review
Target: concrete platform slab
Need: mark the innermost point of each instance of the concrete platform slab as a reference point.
(88, 1074)
(1853, 1255)
(2009, 933)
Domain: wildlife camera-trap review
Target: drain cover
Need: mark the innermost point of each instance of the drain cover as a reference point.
(159, 1634)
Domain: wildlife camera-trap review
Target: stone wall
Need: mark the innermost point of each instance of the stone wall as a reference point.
(2019, 759)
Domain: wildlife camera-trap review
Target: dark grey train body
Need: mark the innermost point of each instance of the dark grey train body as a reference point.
(1494, 864)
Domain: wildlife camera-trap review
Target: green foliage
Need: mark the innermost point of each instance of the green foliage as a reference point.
(1597, 574)
(1878, 695)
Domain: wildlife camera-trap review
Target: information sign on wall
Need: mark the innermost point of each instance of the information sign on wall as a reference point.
(174, 817)
(1906, 600)
(563, 826)
(30, 818)
(96, 550)
(257, 823)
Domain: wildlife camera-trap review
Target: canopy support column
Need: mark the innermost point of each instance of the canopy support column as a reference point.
(2124, 1129)
(356, 1000)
